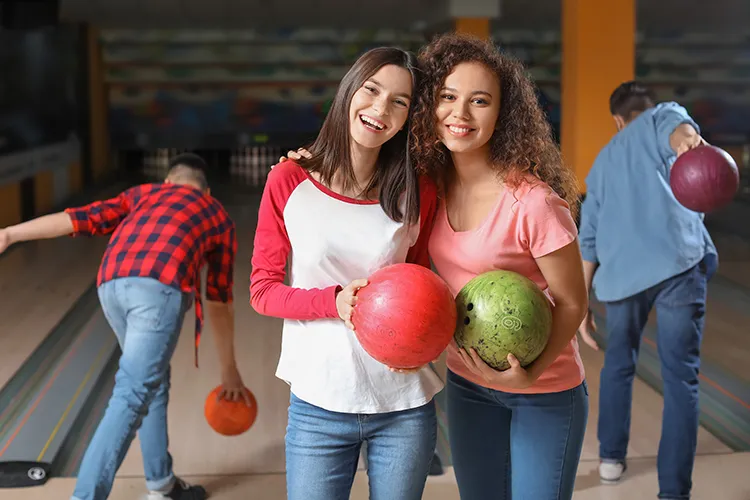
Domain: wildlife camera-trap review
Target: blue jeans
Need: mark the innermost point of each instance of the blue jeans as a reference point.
(680, 308)
(146, 317)
(515, 446)
(323, 448)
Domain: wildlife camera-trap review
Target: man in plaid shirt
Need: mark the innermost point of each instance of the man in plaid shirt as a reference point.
(162, 235)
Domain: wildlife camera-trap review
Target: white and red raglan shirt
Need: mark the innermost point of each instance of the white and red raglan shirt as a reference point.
(332, 240)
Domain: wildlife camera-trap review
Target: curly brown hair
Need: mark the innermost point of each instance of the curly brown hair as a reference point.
(522, 142)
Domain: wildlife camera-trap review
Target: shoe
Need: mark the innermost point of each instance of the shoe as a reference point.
(436, 468)
(180, 491)
(611, 472)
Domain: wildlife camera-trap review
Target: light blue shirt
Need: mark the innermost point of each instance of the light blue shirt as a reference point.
(631, 223)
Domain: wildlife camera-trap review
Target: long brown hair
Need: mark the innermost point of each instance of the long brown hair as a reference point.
(395, 176)
(522, 142)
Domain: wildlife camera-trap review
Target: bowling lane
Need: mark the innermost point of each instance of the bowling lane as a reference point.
(715, 476)
(39, 283)
(726, 343)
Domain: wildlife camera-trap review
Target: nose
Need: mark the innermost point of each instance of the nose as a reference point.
(460, 109)
(380, 106)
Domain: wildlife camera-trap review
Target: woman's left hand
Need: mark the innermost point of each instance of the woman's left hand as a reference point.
(515, 377)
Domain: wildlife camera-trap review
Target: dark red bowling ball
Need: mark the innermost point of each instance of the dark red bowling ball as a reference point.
(704, 179)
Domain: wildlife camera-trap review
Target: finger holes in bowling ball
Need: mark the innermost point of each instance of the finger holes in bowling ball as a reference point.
(466, 320)
(470, 306)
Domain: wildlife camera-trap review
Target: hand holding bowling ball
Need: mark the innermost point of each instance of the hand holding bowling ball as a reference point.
(346, 299)
(232, 387)
(516, 377)
(704, 179)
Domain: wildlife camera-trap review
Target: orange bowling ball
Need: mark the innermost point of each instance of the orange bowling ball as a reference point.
(230, 418)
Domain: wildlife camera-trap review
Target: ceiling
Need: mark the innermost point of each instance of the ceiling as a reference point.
(255, 14)
(723, 16)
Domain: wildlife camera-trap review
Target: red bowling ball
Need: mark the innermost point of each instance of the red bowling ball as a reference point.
(405, 316)
(704, 179)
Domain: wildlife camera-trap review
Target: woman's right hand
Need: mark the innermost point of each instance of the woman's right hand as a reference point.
(346, 299)
(295, 155)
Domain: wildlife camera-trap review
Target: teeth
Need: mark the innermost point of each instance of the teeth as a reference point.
(459, 130)
(370, 121)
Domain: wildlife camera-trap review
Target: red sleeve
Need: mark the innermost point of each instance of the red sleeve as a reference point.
(428, 209)
(220, 275)
(268, 293)
(101, 217)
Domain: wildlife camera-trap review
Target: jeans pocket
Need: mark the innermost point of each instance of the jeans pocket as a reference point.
(152, 305)
(685, 289)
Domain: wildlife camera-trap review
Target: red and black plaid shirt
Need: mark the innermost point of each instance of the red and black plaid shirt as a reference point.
(166, 232)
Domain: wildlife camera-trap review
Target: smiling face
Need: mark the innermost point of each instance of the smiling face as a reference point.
(380, 107)
(468, 107)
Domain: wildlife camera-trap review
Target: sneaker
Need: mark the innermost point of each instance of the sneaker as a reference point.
(611, 472)
(180, 491)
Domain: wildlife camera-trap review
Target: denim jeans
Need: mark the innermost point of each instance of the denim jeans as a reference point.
(323, 448)
(146, 317)
(515, 446)
(680, 304)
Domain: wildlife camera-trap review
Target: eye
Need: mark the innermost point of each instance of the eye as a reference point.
(481, 101)
(371, 89)
(447, 97)
(401, 102)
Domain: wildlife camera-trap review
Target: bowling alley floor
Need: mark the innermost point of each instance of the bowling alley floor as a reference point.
(721, 476)
(251, 466)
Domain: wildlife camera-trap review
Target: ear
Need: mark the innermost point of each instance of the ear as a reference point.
(619, 122)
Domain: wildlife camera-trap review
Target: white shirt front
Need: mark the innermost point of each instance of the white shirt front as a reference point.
(332, 240)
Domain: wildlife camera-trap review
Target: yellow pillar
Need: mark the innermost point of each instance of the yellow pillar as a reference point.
(98, 108)
(477, 26)
(598, 54)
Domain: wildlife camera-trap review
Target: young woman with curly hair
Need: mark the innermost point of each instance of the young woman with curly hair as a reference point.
(508, 202)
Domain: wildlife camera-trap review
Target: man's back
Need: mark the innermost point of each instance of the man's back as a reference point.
(631, 223)
(165, 232)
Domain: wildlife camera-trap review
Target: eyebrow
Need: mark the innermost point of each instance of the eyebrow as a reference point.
(473, 93)
(402, 94)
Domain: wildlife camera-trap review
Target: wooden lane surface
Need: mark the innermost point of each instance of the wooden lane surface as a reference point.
(715, 476)
(39, 282)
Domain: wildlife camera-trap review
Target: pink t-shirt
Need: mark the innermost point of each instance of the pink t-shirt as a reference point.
(524, 224)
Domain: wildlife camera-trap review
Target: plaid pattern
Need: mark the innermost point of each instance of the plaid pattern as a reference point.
(166, 232)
